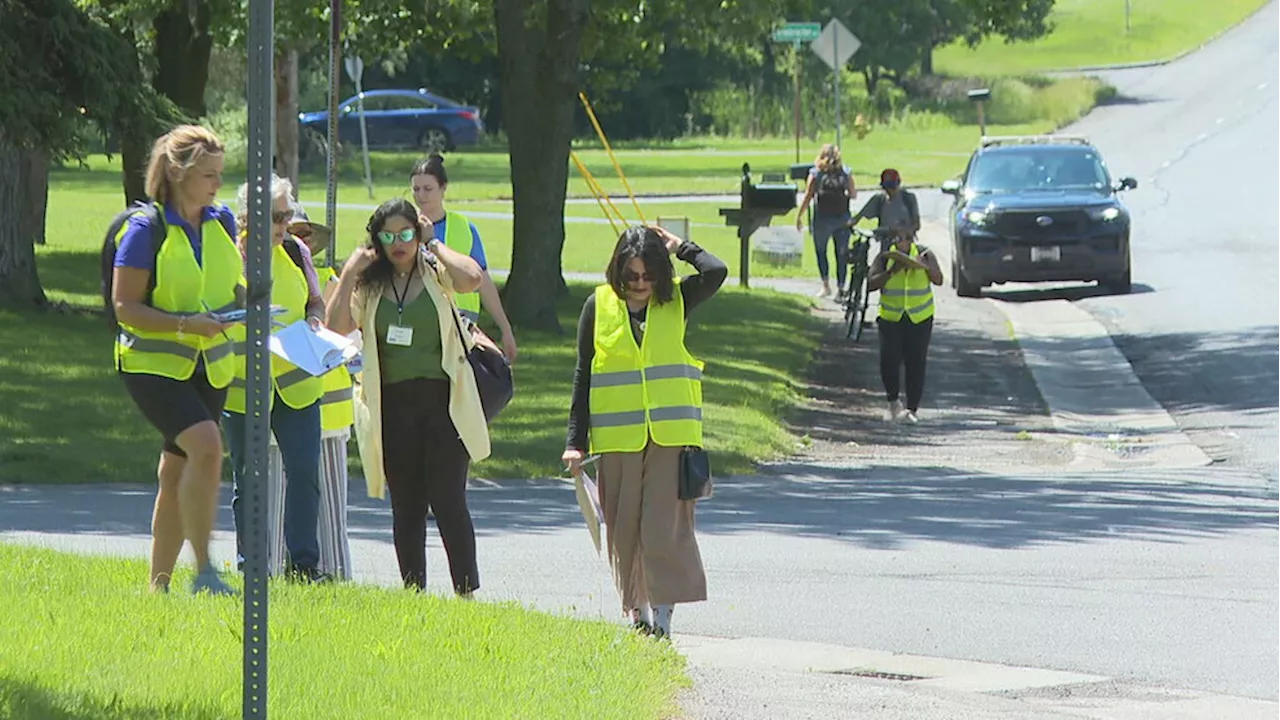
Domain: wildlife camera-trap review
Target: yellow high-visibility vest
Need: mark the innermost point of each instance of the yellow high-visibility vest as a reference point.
(457, 237)
(184, 286)
(336, 411)
(651, 391)
(297, 387)
(909, 292)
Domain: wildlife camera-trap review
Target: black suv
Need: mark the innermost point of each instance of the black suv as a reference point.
(1038, 208)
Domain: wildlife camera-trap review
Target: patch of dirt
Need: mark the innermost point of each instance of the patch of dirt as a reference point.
(981, 407)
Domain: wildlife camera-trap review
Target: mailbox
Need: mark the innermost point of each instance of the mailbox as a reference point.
(800, 171)
(758, 205)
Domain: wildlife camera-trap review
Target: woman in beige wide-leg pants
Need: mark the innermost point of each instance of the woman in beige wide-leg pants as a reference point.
(649, 530)
(637, 401)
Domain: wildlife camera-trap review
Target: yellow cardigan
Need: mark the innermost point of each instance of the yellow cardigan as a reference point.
(464, 399)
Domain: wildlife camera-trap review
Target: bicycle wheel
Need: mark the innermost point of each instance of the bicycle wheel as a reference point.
(862, 308)
(854, 308)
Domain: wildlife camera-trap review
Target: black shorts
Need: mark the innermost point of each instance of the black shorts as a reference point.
(172, 406)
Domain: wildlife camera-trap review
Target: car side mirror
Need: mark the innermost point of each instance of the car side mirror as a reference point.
(1128, 183)
(951, 187)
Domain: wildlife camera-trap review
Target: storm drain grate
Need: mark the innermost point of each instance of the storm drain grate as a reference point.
(879, 675)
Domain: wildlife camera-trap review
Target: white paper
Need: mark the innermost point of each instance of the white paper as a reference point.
(315, 351)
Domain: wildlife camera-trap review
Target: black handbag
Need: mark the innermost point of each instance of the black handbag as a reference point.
(491, 369)
(695, 474)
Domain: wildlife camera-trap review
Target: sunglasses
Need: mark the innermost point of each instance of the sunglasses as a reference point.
(629, 276)
(280, 217)
(406, 235)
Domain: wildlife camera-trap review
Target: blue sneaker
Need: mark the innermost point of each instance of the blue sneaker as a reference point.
(211, 582)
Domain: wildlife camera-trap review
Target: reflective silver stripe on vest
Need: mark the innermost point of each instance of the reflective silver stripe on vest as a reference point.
(666, 372)
(336, 396)
(678, 412)
(921, 307)
(215, 354)
(617, 419)
(615, 379)
(157, 346)
(291, 378)
(237, 383)
(903, 292)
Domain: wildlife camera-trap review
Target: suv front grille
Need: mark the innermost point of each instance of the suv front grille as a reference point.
(1032, 226)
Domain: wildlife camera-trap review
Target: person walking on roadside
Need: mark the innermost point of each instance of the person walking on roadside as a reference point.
(174, 357)
(905, 274)
(896, 207)
(419, 420)
(430, 182)
(295, 401)
(336, 418)
(831, 183)
(637, 402)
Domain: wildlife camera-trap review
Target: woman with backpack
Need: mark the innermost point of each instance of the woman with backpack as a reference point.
(295, 402)
(173, 263)
(831, 183)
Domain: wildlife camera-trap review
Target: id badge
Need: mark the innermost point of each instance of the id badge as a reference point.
(400, 335)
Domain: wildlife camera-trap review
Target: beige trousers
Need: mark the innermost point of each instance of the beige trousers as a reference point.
(649, 531)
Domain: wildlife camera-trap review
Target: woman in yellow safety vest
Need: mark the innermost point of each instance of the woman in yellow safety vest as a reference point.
(429, 183)
(175, 359)
(295, 402)
(419, 421)
(904, 274)
(336, 417)
(637, 402)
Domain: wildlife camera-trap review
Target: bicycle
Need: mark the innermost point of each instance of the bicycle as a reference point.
(855, 301)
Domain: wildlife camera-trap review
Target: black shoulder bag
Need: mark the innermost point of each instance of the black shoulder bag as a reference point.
(695, 474)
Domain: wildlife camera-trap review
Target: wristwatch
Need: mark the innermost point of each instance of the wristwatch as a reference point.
(429, 245)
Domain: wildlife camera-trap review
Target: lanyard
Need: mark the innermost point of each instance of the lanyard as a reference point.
(400, 299)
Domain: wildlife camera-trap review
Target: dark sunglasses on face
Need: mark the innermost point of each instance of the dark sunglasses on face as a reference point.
(407, 235)
(629, 276)
(280, 217)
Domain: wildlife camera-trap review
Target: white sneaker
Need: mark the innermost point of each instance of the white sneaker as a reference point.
(825, 291)
(895, 411)
(910, 418)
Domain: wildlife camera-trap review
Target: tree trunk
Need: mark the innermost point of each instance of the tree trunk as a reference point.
(926, 60)
(286, 69)
(19, 282)
(35, 167)
(538, 66)
(134, 149)
(182, 48)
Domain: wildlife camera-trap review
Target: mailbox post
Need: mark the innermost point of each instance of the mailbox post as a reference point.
(757, 207)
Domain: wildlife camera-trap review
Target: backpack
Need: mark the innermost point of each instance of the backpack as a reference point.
(833, 193)
(108, 259)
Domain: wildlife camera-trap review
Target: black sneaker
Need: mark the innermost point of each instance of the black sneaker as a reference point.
(642, 627)
(307, 575)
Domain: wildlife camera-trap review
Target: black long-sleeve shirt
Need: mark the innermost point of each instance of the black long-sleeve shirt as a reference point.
(693, 288)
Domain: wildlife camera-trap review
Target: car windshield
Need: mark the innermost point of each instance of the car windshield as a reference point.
(1029, 170)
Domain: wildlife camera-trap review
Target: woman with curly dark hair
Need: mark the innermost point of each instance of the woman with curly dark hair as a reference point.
(637, 402)
(419, 421)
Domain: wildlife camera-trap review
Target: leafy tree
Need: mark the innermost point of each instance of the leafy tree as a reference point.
(63, 69)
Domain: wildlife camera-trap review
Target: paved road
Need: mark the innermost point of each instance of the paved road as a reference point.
(1200, 135)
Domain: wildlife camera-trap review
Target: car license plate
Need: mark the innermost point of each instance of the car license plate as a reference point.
(1051, 253)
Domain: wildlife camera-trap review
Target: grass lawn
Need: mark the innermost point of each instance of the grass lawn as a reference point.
(68, 419)
(1091, 32)
(342, 651)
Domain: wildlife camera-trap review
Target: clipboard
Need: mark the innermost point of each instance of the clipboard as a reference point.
(588, 493)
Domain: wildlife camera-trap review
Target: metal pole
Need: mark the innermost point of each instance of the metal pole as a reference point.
(261, 95)
(331, 163)
(364, 136)
(835, 78)
(795, 104)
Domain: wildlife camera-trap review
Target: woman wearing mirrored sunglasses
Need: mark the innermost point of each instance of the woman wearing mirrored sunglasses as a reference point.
(419, 421)
(637, 401)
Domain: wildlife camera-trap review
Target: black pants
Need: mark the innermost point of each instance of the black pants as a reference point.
(426, 465)
(904, 343)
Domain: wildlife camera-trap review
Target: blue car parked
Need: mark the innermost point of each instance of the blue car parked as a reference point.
(397, 119)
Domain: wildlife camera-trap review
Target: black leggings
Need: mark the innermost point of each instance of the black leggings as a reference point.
(904, 343)
(426, 465)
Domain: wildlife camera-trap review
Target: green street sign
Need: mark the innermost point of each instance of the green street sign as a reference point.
(798, 32)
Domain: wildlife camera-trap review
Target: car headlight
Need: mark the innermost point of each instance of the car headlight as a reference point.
(1106, 214)
(976, 217)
